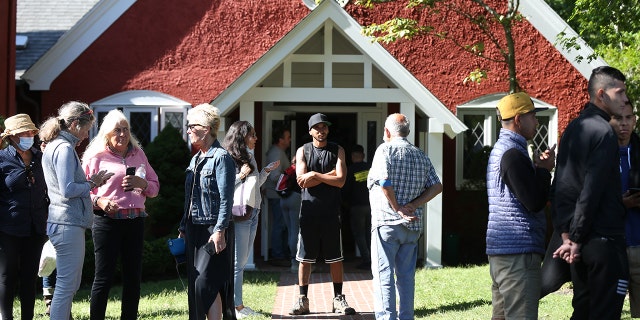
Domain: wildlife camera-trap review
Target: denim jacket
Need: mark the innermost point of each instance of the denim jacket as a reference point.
(209, 186)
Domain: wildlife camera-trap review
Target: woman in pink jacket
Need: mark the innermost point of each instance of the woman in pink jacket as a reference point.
(119, 208)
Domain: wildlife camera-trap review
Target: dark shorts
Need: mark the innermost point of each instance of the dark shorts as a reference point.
(319, 234)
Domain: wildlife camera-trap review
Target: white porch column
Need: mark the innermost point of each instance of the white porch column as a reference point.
(433, 221)
(246, 111)
(409, 110)
(247, 114)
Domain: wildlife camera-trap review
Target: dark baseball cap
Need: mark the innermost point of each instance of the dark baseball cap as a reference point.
(318, 118)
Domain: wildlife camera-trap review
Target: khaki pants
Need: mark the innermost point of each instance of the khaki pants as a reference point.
(516, 285)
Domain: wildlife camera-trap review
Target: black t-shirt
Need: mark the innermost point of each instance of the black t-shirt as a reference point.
(355, 190)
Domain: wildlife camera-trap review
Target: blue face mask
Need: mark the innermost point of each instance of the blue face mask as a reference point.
(25, 143)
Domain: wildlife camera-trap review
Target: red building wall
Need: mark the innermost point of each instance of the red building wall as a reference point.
(194, 49)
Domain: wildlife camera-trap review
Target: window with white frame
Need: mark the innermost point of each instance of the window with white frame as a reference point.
(147, 121)
(474, 145)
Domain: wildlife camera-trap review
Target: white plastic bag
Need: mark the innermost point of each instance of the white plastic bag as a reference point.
(47, 260)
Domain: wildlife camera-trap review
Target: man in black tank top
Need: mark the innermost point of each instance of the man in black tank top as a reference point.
(321, 172)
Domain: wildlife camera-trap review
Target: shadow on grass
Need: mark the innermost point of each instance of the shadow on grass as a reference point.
(463, 306)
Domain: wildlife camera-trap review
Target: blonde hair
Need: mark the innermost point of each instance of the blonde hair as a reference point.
(67, 114)
(101, 140)
(206, 115)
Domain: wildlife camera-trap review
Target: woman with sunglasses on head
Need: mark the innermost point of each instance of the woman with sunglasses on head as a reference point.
(118, 226)
(70, 211)
(23, 215)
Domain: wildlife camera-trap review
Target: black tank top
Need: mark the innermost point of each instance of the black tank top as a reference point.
(323, 198)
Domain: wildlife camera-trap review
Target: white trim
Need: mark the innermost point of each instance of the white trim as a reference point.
(485, 105)
(71, 45)
(410, 89)
(550, 24)
(433, 213)
(141, 98)
(144, 101)
(311, 4)
(183, 110)
(325, 95)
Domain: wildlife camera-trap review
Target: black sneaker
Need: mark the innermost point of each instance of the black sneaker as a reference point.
(340, 305)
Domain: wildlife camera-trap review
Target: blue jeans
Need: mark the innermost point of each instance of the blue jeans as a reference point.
(393, 249)
(245, 234)
(278, 230)
(69, 243)
(291, 214)
(49, 284)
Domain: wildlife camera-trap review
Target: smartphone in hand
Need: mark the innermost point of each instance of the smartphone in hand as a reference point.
(131, 171)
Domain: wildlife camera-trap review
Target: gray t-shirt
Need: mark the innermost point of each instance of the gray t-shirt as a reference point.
(275, 154)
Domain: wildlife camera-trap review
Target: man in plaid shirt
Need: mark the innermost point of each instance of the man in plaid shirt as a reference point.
(401, 180)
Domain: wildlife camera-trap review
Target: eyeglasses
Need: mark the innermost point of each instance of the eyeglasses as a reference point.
(31, 180)
(191, 126)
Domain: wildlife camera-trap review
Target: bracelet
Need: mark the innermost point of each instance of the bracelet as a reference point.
(92, 184)
(95, 201)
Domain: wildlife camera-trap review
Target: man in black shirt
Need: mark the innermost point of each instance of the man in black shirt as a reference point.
(589, 213)
(356, 194)
(321, 172)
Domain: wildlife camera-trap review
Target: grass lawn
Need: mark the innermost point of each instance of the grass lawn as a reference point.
(448, 293)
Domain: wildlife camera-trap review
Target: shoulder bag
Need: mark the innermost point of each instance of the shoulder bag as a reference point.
(241, 197)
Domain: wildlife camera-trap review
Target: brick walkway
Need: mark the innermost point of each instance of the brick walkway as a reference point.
(357, 289)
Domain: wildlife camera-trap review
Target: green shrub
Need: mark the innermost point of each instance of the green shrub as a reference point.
(169, 156)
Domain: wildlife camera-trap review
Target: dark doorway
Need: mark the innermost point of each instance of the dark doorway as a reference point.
(343, 131)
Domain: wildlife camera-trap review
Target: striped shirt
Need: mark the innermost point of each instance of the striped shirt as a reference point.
(410, 172)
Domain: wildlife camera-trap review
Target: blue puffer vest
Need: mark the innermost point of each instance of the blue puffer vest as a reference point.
(512, 229)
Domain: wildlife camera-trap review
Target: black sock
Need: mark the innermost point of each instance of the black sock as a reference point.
(337, 289)
(304, 290)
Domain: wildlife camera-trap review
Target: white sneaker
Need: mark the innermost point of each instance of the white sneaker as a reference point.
(245, 312)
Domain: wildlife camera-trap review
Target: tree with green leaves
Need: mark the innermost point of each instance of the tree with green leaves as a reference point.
(611, 28)
(493, 21)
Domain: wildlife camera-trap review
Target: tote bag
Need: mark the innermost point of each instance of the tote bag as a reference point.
(242, 196)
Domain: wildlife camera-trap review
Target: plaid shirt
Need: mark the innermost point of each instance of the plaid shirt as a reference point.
(410, 172)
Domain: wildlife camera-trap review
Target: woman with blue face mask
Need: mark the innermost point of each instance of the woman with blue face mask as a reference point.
(23, 215)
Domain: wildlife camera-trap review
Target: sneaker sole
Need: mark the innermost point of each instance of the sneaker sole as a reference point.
(346, 312)
(299, 313)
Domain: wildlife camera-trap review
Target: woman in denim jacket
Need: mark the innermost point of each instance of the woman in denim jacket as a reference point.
(206, 224)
